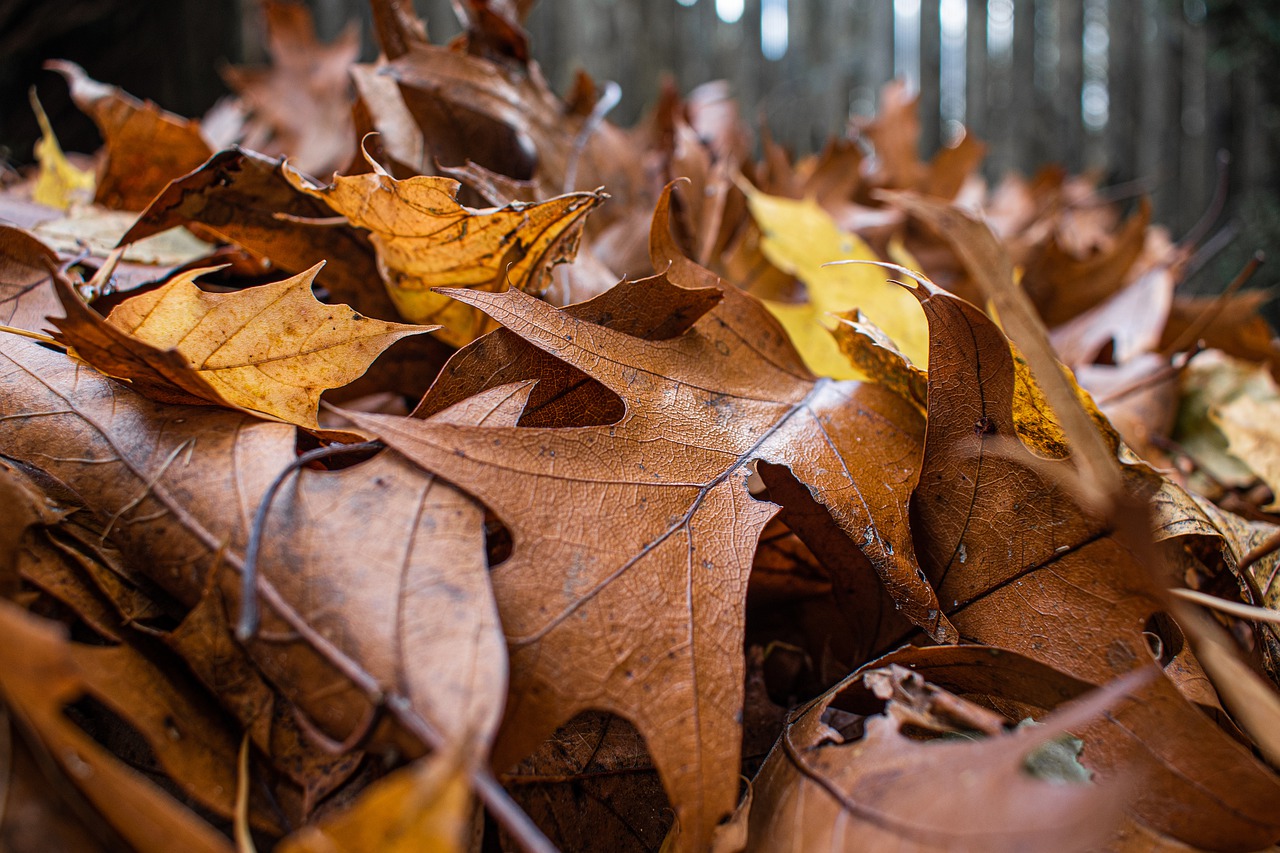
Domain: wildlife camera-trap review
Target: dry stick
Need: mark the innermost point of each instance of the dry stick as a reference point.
(1216, 204)
(35, 336)
(1149, 381)
(504, 810)
(247, 624)
(608, 99)
(243, 835)
(1235, 608)
(1269, 546)
(1192, 333)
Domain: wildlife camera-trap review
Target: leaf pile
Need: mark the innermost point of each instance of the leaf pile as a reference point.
(534, 483)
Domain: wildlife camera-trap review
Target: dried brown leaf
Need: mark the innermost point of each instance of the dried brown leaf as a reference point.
(146, 147)
(698, 409)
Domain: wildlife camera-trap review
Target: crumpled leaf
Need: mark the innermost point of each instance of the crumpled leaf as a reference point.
(204, 640)
(824, 788)
(426, 239)
(591, 787)
(499, 112)
(800, 238)
(1063, 285)
(300, 106)
(874, 355)
(1212, 381)
(698, 409)
(270, 349)
(37, 679)
(146, 147)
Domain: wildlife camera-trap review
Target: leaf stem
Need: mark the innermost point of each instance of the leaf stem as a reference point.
(35, 336)
(247, 624)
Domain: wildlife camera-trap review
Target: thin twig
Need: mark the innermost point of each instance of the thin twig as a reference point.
(1192, 333)
(1210, 250)
(1216, 204)
(35, 336)
(247, 624)
(1268, 547)
(243, 836)
(1235, 608)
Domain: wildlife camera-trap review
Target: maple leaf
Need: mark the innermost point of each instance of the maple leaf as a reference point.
(425, 238)
(146, 147)
(271, 349)
(698, 409)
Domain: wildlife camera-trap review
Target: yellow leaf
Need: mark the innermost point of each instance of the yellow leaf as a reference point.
(799, 238)
(58, 183)
(425, 239)
(271, 349)
(423, 807)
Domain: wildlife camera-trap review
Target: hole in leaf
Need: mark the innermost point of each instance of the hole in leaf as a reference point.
(592, 783)
(305, 442)
(1164, 637)
(497, 540)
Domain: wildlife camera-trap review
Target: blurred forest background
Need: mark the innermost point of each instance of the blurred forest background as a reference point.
(1148, 94)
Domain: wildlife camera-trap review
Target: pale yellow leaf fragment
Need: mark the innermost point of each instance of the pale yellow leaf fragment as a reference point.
(425, 239)
(800, 238)
(1252, 427)
(58, 183)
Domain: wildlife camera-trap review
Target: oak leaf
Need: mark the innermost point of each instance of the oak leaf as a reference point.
(244, 198)
(698, 409)
(425, 239)
(271, 349)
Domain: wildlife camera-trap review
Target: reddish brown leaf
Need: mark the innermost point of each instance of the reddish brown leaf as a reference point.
(698, 408)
